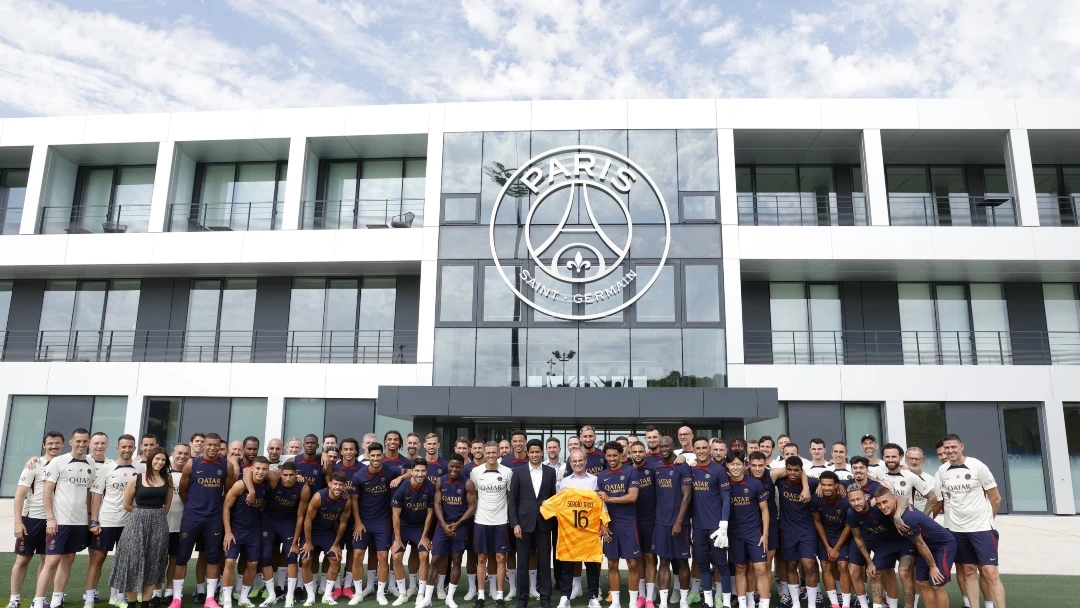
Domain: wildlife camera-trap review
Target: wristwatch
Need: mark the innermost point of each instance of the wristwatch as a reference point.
(94, 522)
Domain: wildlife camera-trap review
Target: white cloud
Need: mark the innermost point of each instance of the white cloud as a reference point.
(721, 33)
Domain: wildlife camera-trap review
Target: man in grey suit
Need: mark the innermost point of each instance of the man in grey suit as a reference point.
(529, 488)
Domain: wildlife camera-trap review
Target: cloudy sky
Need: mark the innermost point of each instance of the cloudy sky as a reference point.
(86, 56)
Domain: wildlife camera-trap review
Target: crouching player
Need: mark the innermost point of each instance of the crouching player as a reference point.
(324, 526)
(935, 547)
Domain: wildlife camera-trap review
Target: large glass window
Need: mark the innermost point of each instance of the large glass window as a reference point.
(237, 418)
(925, 424)
(861, 419)
(806, 323)
(25, 429)
(247, 418)
(221, 317)
(773, 427)
(656, 357)
(658, 304)
(1062, 321)
(552, 357)
(455, 353)
(500, 304)
(342, 320)
(954, 324)
(12, 199)
(702, 283)
(5, 308)
(235, 196)
(1072, 437)
(704, 358)
(504, 153)
(88, 320)
(1023, 444)
(652, 151)
(604, 358)
(369, 193)
(303, 416)
(456, 290)
(163, 419)
(500, 356)
(108, 417)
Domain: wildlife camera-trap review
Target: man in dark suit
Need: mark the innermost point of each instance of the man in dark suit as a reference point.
(529, 487)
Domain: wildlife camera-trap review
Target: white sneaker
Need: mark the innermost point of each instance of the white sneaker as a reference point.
(356, 598)
(381, 598)
(684, 604)
(328, 600)
(401, 599)
(594, 603)
(290, 602)
(564, 602)
(511, 595)
(88, 604)
(410, 592)
(420, 603)
(575, 592)
(270, 601)
(440, 592)
(450, 603)
(471, 595)
(310, 601)
(534, 594)
(614, 605)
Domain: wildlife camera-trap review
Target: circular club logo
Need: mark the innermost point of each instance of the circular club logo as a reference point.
(578, 232)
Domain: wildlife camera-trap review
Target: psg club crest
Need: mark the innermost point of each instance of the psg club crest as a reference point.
(573, 205)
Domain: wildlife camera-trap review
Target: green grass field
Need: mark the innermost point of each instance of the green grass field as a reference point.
(1023, 591)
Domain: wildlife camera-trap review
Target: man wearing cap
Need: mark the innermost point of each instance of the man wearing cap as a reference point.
(869, 448)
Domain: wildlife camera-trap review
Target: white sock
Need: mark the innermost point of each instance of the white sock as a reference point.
(663, 597)
(863, 603)
(412, 580)
(891, 601)
(989, 604)
(878, 605)
(967, 602)
(532, 582)
(282, 576)
(381, 587)
(200, 587)
(226, 596)
(57, 599)
(310, 587)
(322, 583)
(39, 602)
(329, 589)
(348, 580)
(442, 581)
(727, 599)
(682, 595)
(707, 598)
(793, 592)
(211, 587)
(742, 601)
(400, 587)
(633, 598)
(370, 580)
(614, 598)
(832, 596)
(271, 593)
(577, 583)
(749, 599)
(156, 593)
(427, 593)
(498, 595)
(472, 582)
(421, 588)
(641, 586)
(450, 589)
(811, 597)
(358, 588)
(512, 577)
(845, 599)
(290, 589)
(764, 603)
(244, 591)
(480, 593)
(650, 591)
(14, 598)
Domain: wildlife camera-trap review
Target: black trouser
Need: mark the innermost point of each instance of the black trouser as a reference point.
(592, 578)
(541, 543)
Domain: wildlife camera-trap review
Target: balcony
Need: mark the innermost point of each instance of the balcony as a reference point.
(797, 209)
(363, 214)
(266, 346)
(10, 220)
(950, 210)
(912, 348)
(1058, 210)
(94, 220)
(219, 217)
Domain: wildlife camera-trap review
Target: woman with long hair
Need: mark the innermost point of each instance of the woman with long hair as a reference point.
(143, 550)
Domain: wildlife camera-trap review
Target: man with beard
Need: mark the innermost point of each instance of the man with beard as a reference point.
(671, 537)
(903, 485)
(935, 545)
(107, 514)
(618, 486)
(274, 449)
(711, 506)
(652, 442)
(370, 506)
(454, 514)
(324, 526)
(30, 518)
(646, 523)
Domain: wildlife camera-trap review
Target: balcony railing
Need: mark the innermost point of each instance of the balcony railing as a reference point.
(363, 213)
(10, 220)
(225, 217)
(95, 220)
(1059, 210)
(798, 209)
(912, 347)
(950, 210)
(262, 346)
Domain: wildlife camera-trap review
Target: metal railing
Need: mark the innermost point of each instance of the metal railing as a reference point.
(338, 346)
(225, 217)
(1059, 210)
(950, 210)
(94, 220)
(10, 220)
(363, 213)
(797, 209)
(912, 347)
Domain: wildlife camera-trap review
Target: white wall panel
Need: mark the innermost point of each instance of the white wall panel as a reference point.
(103, 250)
(798, 382)
(362, 381)
(768, 114)
(784, 243)
(487, 116)
(579, 115)
(869, 114)
(671, 114)
(122, 128)
(1047, 114)
(91, 378)
(985, 113)
(36, 187)
(299, 122)
(284, 379)
(51, 130)
(388, 120)
(197, 247)
(33, 250)
(213, 126)
(960, 243)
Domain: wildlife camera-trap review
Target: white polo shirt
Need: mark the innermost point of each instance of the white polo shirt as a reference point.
(110, 481)
(963, 489)
(491, 500)
(72, 478)
(585, 482)
(34, 478)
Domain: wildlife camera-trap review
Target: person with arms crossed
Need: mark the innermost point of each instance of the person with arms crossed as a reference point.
(241, 517)
(530, 486)
(453, 510)
(711, 506)
(412, 505)
(202, 490)
(324, 526)
(30, 517)
(935, 545)
(748, 536)
(107, 514)
(971, 500)
(491, 484)
(68, 478)
(618, 486)
(830, 519)
(645, 508)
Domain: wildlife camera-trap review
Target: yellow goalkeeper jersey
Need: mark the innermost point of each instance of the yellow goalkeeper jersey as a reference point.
(579, 514)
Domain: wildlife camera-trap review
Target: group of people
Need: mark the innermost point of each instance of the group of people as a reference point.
(337, 521)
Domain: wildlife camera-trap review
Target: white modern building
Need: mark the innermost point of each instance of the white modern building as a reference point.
(826, 268)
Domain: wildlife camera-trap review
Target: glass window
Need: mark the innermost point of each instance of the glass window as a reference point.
(827, 324)
(500, 356)
(86, 324)
(455, 353)
(704, 358)
(462, 159)
(57, 309)
(954, 324)
(500, 304)
(108, 417)
(136, 187)
(1062, 321)
(247, 418)
(773, 428)
(163, 419)
(557, 306)
(925, 424)
(605, 357)
(338, 194)
(861, 419)
(237, 320)
(459, 209)
(338, 331)
(25, 429)
(1072, 437)
(5, 304)
(917, 323)
(307, 303)
(552, 357)
(378, 299)
(456, 294)
(655, 357)
(991, 321)
(412, 189)
(504, 153)
(303, 416)
(658, 304)
(652, 151)
(542, 141)
(121, 313)
(12, 199)
(699, 166)
(93, 209)
(1023, 444)
(698, 207)
(790, 323)
(256, 182)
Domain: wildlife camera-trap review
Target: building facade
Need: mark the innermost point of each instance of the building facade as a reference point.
(824, 268)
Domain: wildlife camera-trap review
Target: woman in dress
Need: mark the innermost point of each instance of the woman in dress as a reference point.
(143, 550)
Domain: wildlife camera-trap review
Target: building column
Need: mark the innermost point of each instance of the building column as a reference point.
(1021, 176)
(5, 405)
(733, 322)
(873, 173)
(134, 415)
(429, 265)
(895, 425)
(1057, 457)
(295, 183)
(35, 188)
(729, 192)
(162, 199)
(275, 419)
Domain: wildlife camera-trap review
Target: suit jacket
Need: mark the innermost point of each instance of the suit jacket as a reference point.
(524, 504)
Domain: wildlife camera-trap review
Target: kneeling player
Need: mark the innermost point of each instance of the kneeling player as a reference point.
(936, 549)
